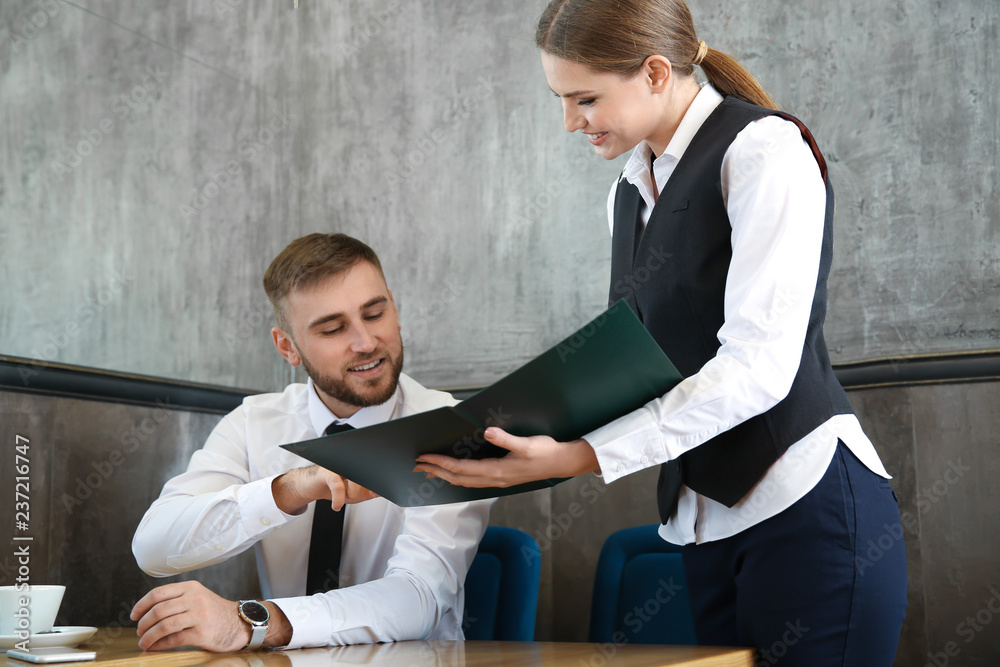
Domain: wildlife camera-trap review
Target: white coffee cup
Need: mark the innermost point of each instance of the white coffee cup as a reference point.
(30, 609)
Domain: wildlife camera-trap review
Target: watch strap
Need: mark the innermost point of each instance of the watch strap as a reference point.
(257, 638)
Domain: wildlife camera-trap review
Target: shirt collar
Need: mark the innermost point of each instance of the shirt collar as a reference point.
(701, 108)
(321, 417)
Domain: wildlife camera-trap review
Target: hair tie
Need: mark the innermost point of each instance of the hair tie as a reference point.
(702, 52)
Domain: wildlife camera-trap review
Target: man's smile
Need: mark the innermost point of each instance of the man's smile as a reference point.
(367, 368)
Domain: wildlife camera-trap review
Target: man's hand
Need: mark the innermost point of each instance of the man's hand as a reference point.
(528, 460)
(188, 614)
(297, 488)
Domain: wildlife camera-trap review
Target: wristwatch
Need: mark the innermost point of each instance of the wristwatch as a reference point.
(257, 616)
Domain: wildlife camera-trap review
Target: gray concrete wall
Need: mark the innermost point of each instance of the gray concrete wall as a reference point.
(424, 129)
(157, 155)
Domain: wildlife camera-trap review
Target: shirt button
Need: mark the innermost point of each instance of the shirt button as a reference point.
(218, 547)
(266, 521)
(621, 467)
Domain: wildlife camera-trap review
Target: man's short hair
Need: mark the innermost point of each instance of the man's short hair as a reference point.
(309, 260)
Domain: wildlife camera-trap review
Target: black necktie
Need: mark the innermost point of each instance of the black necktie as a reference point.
(327, 534)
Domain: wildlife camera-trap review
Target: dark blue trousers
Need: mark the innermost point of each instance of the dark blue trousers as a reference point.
(821, 584)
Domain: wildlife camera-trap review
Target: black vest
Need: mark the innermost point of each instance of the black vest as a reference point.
(674, 278)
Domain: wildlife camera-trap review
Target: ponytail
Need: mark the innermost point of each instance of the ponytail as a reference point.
(729, 77)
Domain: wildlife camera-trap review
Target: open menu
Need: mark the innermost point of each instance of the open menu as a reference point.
(606, 369)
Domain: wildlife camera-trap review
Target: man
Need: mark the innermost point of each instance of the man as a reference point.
(401, 570)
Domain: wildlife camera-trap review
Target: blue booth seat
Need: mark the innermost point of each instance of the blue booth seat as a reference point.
(640, 592)
(501, 589)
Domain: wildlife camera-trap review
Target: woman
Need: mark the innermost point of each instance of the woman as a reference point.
(766, 475)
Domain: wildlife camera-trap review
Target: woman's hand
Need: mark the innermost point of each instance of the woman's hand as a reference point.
(529, 460)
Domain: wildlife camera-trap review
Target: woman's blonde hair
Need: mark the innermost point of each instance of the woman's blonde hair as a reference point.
(619, 35)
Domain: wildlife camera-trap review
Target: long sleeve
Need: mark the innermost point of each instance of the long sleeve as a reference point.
(776, 200)
(421, 585)
(402, 571)
(211, 512)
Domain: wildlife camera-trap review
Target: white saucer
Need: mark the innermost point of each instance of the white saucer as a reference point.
(61, 635)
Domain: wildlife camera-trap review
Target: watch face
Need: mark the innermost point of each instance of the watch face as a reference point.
(255, 611)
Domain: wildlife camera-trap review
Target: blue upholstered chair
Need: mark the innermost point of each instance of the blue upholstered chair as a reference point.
(501, 589)
(640, 592)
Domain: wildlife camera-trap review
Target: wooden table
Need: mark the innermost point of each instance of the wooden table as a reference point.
(119, 646)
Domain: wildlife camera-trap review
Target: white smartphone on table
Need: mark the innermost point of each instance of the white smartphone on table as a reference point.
(52, 654)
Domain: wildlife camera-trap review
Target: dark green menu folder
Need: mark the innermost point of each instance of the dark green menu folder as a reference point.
(608, 368)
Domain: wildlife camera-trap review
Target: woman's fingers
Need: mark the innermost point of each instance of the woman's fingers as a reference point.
(494, 435)
(513, 468)
(467, 472)
(528, 460)
(501, 438)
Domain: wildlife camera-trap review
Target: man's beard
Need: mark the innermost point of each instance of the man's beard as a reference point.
(340, 391)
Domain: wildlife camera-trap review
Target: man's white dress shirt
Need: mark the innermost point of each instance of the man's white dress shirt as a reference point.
(776, 201)
(402, 569)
